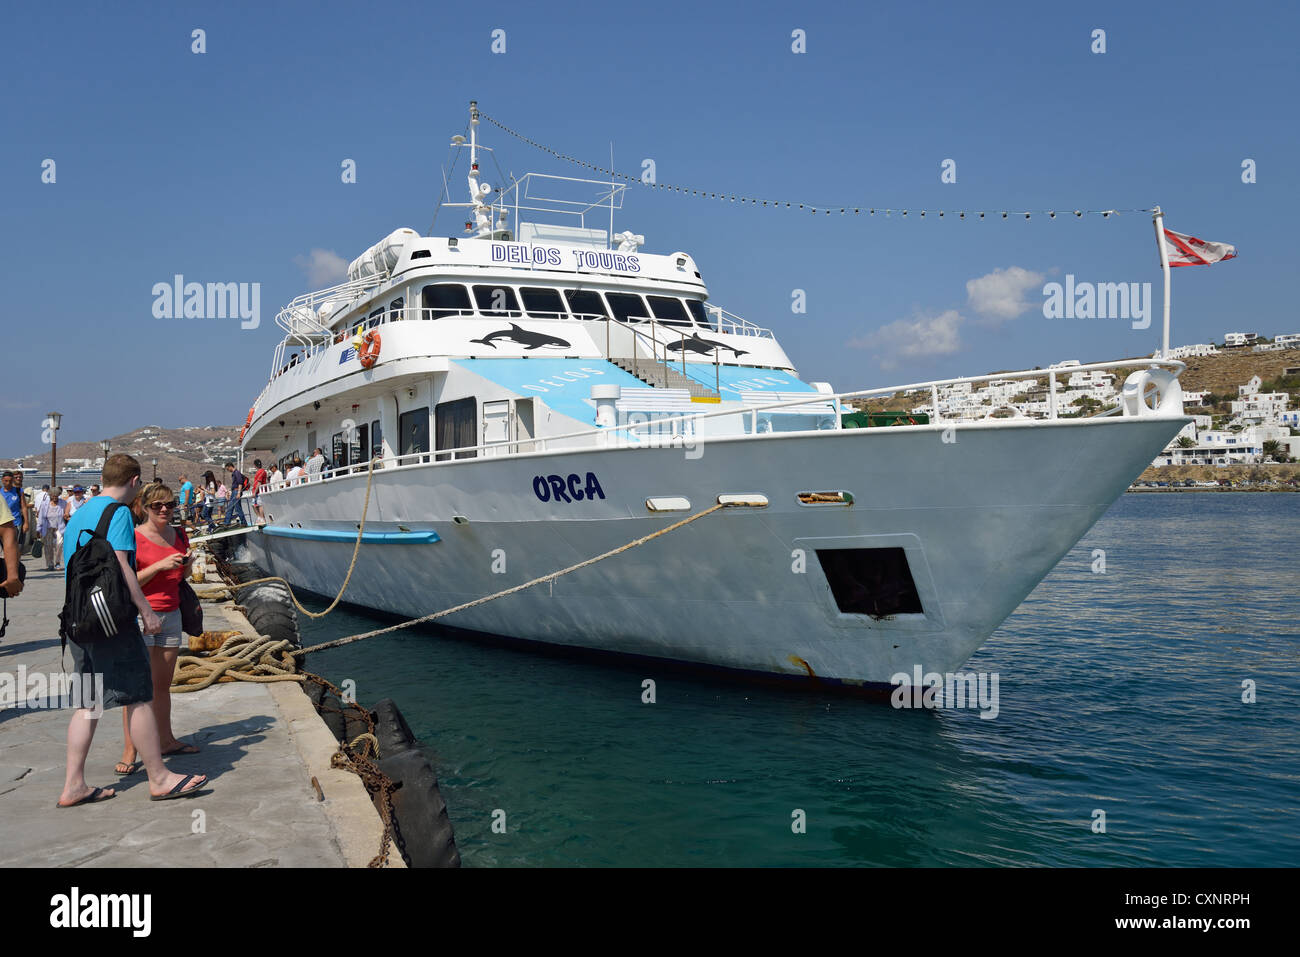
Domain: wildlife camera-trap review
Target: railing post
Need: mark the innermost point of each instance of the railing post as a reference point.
(1051, 397)
(934, 398)
(684, 353)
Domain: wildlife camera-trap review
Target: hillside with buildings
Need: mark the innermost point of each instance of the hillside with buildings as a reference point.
(190, 450)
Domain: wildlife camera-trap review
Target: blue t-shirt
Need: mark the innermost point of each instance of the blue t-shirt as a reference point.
(121, 531)
(187, 492)
(11, 497)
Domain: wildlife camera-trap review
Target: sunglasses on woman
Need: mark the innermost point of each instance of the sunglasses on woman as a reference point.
(159, 506)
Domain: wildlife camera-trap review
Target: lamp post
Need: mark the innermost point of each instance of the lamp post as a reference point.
(155, 468)
(54, 418)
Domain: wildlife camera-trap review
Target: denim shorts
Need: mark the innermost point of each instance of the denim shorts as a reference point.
(171, 635)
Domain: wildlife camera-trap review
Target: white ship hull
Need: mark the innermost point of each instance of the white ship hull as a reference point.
(981, 520)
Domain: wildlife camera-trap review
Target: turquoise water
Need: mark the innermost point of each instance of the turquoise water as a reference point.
(1119, 691)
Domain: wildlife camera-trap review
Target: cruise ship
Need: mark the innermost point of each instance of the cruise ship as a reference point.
(541, 389)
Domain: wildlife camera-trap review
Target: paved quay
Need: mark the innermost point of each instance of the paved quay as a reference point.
(261, 745)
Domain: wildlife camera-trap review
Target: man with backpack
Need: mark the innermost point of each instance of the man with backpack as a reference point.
(102, 590)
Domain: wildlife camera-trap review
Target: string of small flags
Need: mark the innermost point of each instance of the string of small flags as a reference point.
(808, 207)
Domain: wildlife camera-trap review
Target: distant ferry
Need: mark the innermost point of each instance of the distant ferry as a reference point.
(540, 395)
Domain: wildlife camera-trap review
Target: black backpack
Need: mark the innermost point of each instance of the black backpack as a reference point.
(96, 604)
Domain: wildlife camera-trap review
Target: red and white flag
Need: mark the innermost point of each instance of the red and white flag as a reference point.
(1184, 250)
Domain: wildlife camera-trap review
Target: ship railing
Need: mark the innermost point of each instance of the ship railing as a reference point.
(677, 430)
(734, 324)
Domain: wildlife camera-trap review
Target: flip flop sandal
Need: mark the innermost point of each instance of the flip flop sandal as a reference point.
(131, 768)
(180, 791)
(185, 748)
(92, 798)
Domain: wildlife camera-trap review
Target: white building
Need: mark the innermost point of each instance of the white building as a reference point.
(1289, 341)
(1187, 352)
(1250, 388)
(1236, 339)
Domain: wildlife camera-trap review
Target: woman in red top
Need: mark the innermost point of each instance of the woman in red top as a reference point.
(162, 559)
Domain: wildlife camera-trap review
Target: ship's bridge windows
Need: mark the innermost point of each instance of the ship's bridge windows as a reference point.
(586, 303)
(444, 299)
(627, 306)
(701, 315)
(497, 301)
(395, 308)
(375, 318)
(542, 303)
(669, 310)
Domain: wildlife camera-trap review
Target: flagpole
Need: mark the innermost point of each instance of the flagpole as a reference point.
(1158, 219)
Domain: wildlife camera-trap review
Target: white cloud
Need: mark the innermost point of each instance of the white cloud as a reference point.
(323, 267)
(1001, 294)
(920, 337)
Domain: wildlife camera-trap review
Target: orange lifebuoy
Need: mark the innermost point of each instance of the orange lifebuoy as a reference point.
(247, 422)
(369, 351)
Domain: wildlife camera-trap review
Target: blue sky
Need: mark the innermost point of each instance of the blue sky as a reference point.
(225, 167)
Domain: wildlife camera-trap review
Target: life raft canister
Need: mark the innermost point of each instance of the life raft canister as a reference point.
(368, 351)
(247, 422)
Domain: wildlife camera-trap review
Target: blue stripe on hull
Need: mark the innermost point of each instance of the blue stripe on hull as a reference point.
(425, 537)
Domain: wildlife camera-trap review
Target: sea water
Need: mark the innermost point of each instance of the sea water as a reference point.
(1121, 738)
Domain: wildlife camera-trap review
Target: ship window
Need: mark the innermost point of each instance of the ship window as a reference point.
(338, 452)
(376, 439)
(585, 303)
(871, 581)
(414, 429)
(543, 303)
(360, 443)
(395, 308)
(702, 317)
(627, 306)
(669, 310)
(444, 299)
(497, 301)
(375, 318)
(421, 254)
(457, 426)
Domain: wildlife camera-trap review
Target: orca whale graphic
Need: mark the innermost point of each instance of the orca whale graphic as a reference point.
(697, 343)
(522, 337)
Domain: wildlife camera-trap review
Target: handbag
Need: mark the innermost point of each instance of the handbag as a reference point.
(191, 610)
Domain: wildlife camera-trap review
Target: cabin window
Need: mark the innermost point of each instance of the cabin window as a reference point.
(497, 301)
(445, 299)
(413, 427)
(376, 318)
(457, 426)
(421, 254)
(586, 303)
(543, 303)
(360, 444)
(395, 308)
(627, 306)
(376, 439)
(669, 310)
(871, 581)
(701, 315)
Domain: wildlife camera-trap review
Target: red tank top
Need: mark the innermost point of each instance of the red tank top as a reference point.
(164, 589)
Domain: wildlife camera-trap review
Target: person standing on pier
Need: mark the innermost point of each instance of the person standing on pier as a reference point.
(27, 531)
(13, 583)
(163, 559)
(50, 524)
(121, 661)
(13, 498)
(74, 502)
(186, 498)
